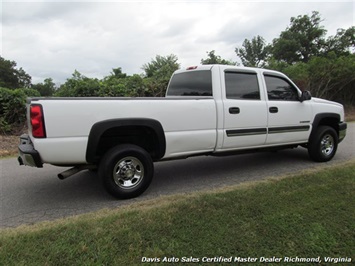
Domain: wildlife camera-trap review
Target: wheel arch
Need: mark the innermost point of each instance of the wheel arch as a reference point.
(144, 132)
(325, 119)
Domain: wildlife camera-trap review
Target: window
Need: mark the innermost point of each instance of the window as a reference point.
(279, 89)
(242, 86)
(194, 83)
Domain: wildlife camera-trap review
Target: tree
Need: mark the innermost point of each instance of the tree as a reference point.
(157, 75)
(47, 88)
(79, 86)
(114, 85)
(302, 40)
(333, 77)
(162, 67)
(343, 43)
(11, 77)
(117, 73)
(253, 53)
(215, 59)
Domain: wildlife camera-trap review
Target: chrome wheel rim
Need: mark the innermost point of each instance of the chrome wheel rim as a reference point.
(128, 172)
(327, 145)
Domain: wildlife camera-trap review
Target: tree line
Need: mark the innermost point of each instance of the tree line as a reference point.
(324, 65)
(16, 86)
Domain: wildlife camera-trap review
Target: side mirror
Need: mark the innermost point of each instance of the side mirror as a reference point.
(305, 96)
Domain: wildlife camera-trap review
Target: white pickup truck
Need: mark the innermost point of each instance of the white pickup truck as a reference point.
(208, 110)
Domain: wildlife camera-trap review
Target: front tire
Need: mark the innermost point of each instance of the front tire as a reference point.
(323, 146)
(126, 171)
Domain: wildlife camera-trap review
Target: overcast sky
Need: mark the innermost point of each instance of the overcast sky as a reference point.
(53, 38)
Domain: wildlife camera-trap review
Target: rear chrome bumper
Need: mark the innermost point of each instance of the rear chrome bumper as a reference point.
(27, 153)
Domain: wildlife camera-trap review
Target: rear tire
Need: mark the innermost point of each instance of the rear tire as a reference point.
(323, 146)
(126, 171)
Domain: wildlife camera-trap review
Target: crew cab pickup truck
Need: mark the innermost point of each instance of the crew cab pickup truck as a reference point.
(208, 110)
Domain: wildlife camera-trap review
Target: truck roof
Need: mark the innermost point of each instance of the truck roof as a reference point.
(227, 67)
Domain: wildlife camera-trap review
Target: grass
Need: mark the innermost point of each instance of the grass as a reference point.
(8, 145)
(307, 215)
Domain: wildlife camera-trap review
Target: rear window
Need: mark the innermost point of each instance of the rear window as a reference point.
(194, 83)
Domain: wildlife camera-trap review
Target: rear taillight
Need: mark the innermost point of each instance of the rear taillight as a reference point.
(37, 121)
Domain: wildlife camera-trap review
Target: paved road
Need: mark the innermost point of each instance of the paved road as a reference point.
(29, 195)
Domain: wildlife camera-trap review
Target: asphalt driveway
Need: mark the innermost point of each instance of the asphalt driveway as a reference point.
(29, 195)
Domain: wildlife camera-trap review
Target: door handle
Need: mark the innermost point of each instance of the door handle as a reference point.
(273, 110)
(234, 110)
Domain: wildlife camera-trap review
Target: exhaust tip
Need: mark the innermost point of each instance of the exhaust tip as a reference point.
(74, 170)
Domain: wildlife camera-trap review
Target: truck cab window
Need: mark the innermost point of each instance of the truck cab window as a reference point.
(243, 86)
(279, 89)
(194, 83)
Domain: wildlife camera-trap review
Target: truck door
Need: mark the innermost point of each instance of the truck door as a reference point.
(289, 119)
(245, 111)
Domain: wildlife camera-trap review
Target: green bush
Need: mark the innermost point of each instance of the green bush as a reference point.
(79, 86)
(113, 88)
(13, 107)
(31, 92)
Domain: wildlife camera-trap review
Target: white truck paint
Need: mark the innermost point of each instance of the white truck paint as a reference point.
(211, 109)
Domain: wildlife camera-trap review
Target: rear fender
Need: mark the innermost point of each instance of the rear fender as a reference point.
(101, 128)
